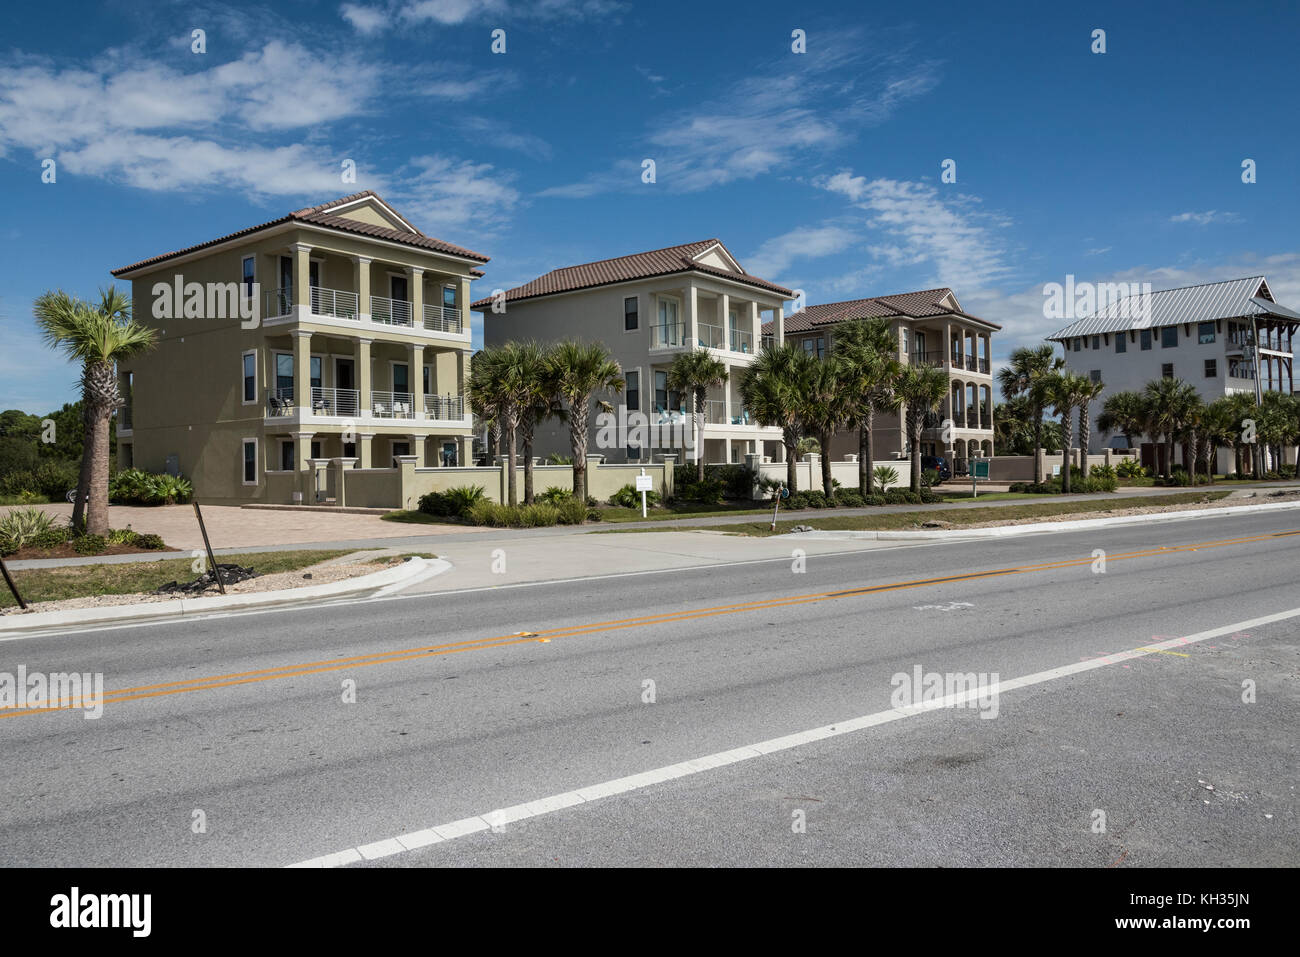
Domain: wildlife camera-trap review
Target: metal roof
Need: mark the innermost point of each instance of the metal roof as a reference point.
(1231, 299)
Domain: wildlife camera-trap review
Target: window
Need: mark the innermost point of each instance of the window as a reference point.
(250, 377)
(284, 374)
(809, 346)
(1146, 339)
(1078, 344)
(629, 314)
(1095, 375)
(1211, 368)
(250, 275)
(250, 461)
(1096, 342)
(821, 347)
(1167, 370)
(401, 379)
(315, 450)
(1205, 333)
(634, 391)
(286, 455)
(1121, 342)
(1168, 337)
(661, 391)
(424, 379)
(449, 297)
(316, 381)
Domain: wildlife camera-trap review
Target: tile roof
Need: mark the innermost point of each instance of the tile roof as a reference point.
(656, 262)
(910, 305)
(1230, 299)
(322, 215)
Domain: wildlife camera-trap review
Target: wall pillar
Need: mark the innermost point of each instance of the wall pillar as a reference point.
(417, 449)
(361, 274)
(466, 450)
(302, 372)
(417, 380)
(362, 364)
(755, 327)
(692, 316)
(301, 279)
(415, 283)
(365, 457)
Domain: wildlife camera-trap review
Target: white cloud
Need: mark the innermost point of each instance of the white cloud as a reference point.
(443, 195)
(1205, 218)
(366, 20)
(370, 20)
(805, 242)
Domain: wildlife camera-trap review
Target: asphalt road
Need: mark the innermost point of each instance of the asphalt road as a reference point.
(487, 699)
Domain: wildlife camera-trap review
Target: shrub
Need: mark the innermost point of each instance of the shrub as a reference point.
(52, 537)
(1286, 471)
(810, 498)
(489, 513)
(929, 477)
(137, 487)
(1130, 468)
(849, 498)
(554, 495)
(149, 540)
(571, 512)
(875, 500)
(708, 492)
(885, 477)
(49, 479)
(1098, 483)
(89, 544)
(629, 497)
(737, 480)
(453, 503)
(20, 526)
(121, 536)
(903, 496)
(1102, 471)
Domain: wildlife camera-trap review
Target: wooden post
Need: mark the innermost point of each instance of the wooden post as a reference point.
(212, 559)
(12, 587)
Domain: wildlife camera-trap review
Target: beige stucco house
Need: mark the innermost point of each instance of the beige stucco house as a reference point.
(336, 332)
(931, 329)
(647, 308)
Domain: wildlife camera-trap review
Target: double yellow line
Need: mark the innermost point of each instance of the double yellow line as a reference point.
(498, 641)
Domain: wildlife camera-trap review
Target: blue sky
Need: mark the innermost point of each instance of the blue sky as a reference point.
(819, 170)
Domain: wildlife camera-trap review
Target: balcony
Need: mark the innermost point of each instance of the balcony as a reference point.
(444, 407)
(710, 336)
(334, 302)
(279, 402)
(934, 358)
(742, 341)
(338, 402)
(442, 319)
(667, 335)
(391, 312)
(392, 405)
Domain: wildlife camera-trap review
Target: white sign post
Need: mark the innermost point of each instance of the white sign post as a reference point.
(644, 483)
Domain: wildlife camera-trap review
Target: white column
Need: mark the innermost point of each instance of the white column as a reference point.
(755, 327)
(361, 273)
(415, 282)
(417, 380)
(724, 320)
(692, 316)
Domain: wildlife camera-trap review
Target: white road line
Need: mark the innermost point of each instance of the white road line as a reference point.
(624, 785)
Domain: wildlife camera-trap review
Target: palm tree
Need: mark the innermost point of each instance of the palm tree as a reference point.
(1028, 373)
(1066, 392)
(1169, 403)
(769, 390)
(100, 337)
(487, 396)
(694, 373)
(920, 389)
(578, 370)
(821, 408)
(1123, 413)
(869, 368)
(517, 373)
(538, 403)
(1086, 396)
(1218, 428)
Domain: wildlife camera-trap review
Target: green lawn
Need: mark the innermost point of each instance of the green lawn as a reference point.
(902, 521)
(76, 581)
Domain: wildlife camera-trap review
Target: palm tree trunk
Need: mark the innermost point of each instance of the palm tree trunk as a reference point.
(1038, 445)
(1084, 430)
(864, 460)
(97, 507)
(1067, 439)
(528, 463)
(791, 442)
(697, 419)
(512, 463)
(578, 440)
(828, 485)
(915, 429)
(83, 478)
(1169, 457)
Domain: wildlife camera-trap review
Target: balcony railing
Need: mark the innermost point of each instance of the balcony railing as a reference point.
(986, 421)
(277, 302)
(984, 366)
(279, 402)
(338, 303)
(442, 318)
(666, 335)
(742, 341)
(715, 411)
(393, 312)
(344, 402)
(711, 336)
(769, 342)
(392, 405)
(444, 407)
(934, 358)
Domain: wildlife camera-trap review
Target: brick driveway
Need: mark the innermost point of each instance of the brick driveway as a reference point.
(232, 527)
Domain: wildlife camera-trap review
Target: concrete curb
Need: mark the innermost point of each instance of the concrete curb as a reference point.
(1006, 531)
(390, 579)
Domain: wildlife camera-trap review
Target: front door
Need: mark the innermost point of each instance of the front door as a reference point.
(397, 287)
(286, 456)
(343, 373)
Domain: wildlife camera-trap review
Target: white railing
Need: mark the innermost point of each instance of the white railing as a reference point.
(444, 407)
(393, 312)
(742, 341)
(338, 303)
(392, 405)
(345, 402)
(711, 337)
(442, 318)
(277, 302)
(715, 411)
(664, 335)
